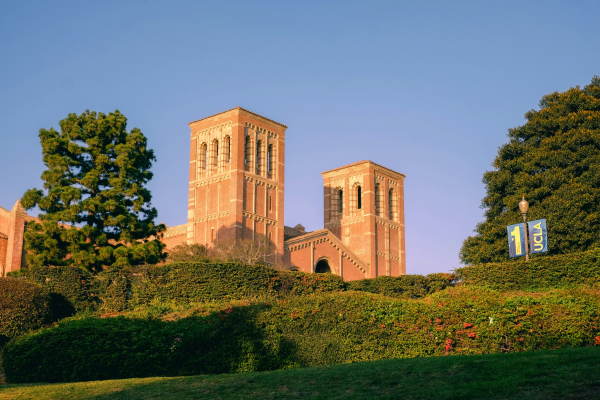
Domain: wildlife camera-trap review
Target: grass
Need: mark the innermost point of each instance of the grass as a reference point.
(559, 374)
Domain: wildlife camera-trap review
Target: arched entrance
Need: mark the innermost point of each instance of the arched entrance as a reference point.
(323, 267)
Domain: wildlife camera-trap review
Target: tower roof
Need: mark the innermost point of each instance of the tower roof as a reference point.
(364, 162)
(18, 207)
(241, 109)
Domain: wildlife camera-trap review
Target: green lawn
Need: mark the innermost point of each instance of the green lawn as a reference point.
(559, 374)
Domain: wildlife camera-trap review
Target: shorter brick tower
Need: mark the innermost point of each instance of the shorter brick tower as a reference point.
(364, 208)
(236, 179)
(364, 225)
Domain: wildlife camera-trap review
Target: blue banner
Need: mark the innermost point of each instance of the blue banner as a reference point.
(516, 240)
(538, 236)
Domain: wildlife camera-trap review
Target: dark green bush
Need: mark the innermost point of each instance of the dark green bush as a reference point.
(112, 289)
(72, 283)
(541, 271)
(404, 286)
(91, 349)
(307, 331)
(24, 306)
(195, 282)
(300, 283)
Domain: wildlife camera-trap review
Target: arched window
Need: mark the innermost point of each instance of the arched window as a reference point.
(202, 158)
(247, 153)
(322, 267)
(214, 155)
(341, 201)
(259, 157)
(270, 161)
(378, 200)
(358, 198)
(392, 205)
(227, 149)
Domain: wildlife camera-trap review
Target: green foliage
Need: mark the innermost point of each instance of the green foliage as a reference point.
(188, 253)
(554, 161)
(405, 286)
(306, 331)
(540, 272)
(95, 206)
(541, 375)
(98, 349)
(293, 283)
(196, 282)
(24, 306)
(70, 283)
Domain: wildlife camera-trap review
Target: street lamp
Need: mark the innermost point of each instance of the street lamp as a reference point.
(524, 206)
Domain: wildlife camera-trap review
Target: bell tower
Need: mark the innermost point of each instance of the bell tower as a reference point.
(364, 208)
(236, 184)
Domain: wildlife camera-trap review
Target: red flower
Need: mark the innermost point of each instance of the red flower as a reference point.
(597, 341)
(229, 310)
(472, 334)
(467, 325)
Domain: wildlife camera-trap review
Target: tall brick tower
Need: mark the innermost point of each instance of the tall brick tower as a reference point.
(236, 179)
(364, 209)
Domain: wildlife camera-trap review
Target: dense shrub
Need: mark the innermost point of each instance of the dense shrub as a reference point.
(405, 286)
(300, 283)
(195, 282)
(72, 283)
(541, 271)
(306, 331)
(24, 306)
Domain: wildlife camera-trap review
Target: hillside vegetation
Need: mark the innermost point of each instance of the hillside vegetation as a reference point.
(543, 375)
(210, 318)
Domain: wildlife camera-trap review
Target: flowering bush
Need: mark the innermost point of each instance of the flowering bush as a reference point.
(306, 331)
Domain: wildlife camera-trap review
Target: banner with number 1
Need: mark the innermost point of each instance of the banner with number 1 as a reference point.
(516, 240)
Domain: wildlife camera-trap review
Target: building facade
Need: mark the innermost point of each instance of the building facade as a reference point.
(236, 192)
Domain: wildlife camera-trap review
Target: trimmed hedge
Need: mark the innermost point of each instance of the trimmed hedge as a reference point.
(541, 271)
(24, 306)
(405, 286)
(72, 283)
(197, 282)
(306, 331)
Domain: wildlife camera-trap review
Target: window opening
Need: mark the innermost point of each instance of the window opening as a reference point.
(270, 160)
(341, 202)
(270, 203)
(358, 198)
(228, 149)
(259, 160)
(212, 234)
(247, 154)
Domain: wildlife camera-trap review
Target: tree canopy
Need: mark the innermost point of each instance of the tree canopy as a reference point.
(96, 210)
(554, 161)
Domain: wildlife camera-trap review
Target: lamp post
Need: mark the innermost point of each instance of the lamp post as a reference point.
(524, 206)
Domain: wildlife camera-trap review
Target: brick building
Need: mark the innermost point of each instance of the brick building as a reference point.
(236, 192)
(12, 228)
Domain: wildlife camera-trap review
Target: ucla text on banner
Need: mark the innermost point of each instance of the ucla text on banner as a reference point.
(538, 236)
(516, 240)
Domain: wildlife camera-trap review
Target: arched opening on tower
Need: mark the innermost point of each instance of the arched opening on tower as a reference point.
(323, 267)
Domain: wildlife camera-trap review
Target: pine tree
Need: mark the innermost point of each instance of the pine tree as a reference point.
(554, 161)
(96, 210)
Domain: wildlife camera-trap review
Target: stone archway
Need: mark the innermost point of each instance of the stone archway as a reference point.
(323, 267)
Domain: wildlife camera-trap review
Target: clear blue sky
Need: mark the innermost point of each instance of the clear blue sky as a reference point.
(427, 88)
